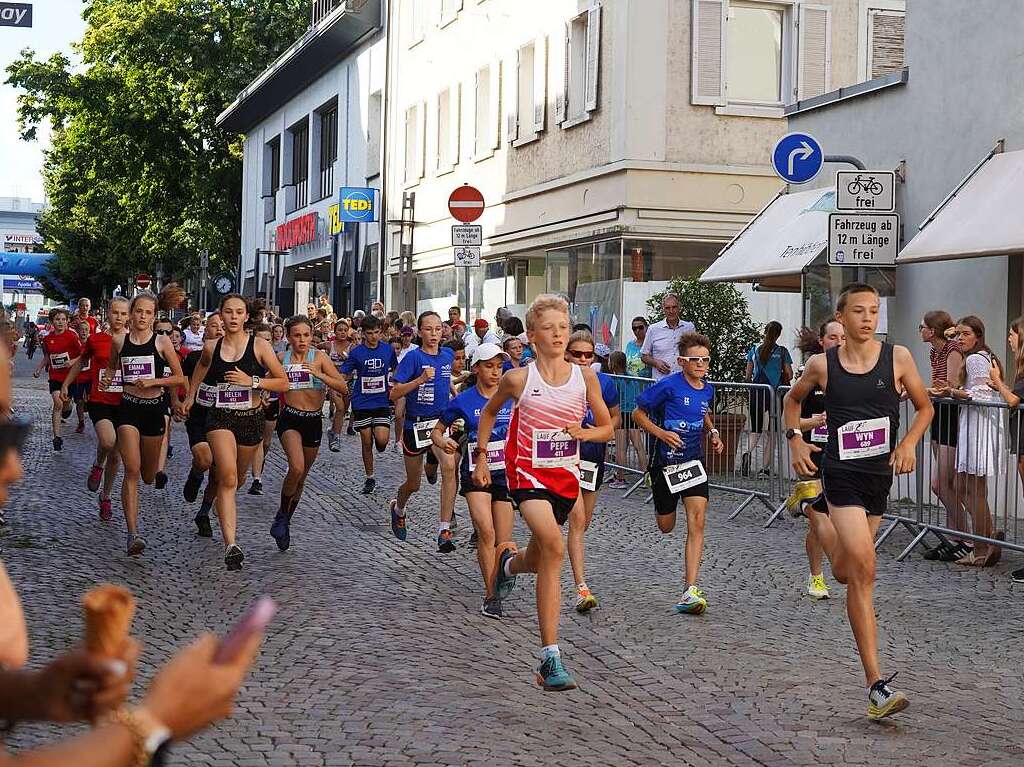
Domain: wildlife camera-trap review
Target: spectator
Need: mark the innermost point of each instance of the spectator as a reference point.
(600, 363)
(481, 335)
(194, 333)
(377, 310)
(311, 312)
(357, 318)
(627, 434)
(660, 349)
(325, 303)
(405, 341)
(634, 359)
(513, 326)
(771, 364)
(513, 347)
(454, 315)
(501, 317)
(277, 338)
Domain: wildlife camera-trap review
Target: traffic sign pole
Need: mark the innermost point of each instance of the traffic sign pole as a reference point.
(466, 204)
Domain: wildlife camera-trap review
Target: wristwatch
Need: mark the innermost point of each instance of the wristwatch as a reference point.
(151, 737)
(256, 382)
(790, 433)
(480, 451)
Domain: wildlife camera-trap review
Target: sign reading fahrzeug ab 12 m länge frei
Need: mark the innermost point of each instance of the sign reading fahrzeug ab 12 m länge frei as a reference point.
(15, 14)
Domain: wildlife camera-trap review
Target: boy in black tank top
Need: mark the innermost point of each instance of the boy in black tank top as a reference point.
(863, 382)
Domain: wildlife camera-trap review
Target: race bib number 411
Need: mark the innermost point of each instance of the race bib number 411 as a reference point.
(553, 448)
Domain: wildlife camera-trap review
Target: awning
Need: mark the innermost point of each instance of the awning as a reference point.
(981, 218)
(783, 239)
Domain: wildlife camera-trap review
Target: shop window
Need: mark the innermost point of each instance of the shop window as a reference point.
(436, 291)
(590, 277)
(578, 97)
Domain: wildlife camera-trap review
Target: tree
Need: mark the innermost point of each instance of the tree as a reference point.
(138, 172)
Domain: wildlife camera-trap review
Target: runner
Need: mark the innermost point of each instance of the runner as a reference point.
(405, 337)
(234, 424)
(271, 410)
(580, 352)
(80, 390)
(862, 381)
(371, 363)
(424, 378)
(104, 403)
(141, 355)
(490, 507)
(341, 346)
(61, 347)
(542, 465)
(300, 427)
(164, 327)
(677, 465)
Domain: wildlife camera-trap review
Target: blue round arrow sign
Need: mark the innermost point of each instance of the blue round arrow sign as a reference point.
(797, 158)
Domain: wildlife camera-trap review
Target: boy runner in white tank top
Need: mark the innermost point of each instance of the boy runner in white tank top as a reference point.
(542, 464)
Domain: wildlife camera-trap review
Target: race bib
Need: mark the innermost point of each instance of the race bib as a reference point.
(421, 433)
(137, 368)
(87, 366)
(553, 448)
(588, 476)
(60, 361)
(683, 476)
(234, 397)
(298, 377)
(864, 439)
(206, 395)
(372, 385)
(819, 434)
(495, 455)
(116, 385)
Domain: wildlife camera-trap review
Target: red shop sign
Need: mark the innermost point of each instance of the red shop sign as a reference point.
(297, 232)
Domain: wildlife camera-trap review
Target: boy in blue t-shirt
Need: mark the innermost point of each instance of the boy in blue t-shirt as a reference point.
(677, 468)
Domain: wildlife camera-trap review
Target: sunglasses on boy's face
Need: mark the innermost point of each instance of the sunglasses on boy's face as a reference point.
(698, 360)
(581, 355)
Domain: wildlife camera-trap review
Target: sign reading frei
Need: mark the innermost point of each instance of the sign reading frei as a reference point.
(868, 191)
(15, 14)
(358, 204)
(467, 256)
(863, 239)
(468, 234)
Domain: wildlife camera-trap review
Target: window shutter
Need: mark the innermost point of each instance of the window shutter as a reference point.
(421, 144)
(495, 110)
(540, 83)
(708, 52)
(886, 30)
(454, 118)
(562, 67)
(815, 52)
(512, 98)
(470, 112)
(593, 58)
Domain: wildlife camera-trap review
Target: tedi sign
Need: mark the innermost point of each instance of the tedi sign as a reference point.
(15, 15)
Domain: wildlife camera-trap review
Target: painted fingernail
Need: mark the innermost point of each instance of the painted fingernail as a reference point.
(117, 667)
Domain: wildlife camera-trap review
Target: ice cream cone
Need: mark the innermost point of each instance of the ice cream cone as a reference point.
(108, 618)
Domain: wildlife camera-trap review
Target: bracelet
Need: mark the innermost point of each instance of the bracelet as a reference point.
(713, 431)
(148, 734)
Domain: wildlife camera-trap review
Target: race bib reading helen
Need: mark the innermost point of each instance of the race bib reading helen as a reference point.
(553, 448)
(683, 476)
(864, 439)
(421, 433)
(298, 377)
(234, 397)
(137, 368)
(588, 475)
(495, 455)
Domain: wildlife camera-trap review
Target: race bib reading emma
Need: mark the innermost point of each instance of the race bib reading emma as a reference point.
(553, 448)
(372, 385)
(495, 455)
(60, 361)
(864, 439)
(206, 395)
(683, 476)
(234, 397)
(298, 377)
(588, 476)
(137, 368)
(421, 433)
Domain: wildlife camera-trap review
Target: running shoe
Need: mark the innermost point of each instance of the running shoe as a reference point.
(256, 488)
(65, 413)
(281, 531)
(233, 557)
(503, 584)
(80, 429)
(350, 431)
(136, 544)
(369, 485)
(106, 510)
(430, 472)
(940, 552)
(58, 444)
(884, 701)
(333, 442)
(397, 521)
(553, 677)
(1017, 576)
(585, 601)
(617, 484)
(203, 523)
(693, 602)
(491, 608)
(160, 480)
(191, 488)
(445, 543)
(95, 476)
(816, 587)
(803, 492)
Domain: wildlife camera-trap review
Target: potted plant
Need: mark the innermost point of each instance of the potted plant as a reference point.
(719, 311)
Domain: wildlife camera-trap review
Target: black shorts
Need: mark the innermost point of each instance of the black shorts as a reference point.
(308, 423)
(55, 385)
(146, 415)
(246, 425)
(80, 391)
(946, 424)
(99, 411)
(498, 492)
(409, 444)
(371, 419)
(856, 488)
(195, 425)
(665, 501)
(559, 505)
(272, 410)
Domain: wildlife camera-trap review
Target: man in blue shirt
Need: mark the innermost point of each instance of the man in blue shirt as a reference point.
(677, 469)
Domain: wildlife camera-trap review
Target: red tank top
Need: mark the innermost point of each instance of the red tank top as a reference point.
(97, 348)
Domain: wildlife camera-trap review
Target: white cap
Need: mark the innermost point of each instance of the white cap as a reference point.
(485, 352)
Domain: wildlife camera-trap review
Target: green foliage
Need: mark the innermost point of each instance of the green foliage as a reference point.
(719, 311)
(138, 172)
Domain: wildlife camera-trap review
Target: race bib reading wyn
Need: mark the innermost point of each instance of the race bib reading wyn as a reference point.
(421, 433)
(864, 439)
(137, 368)
(234, 397)
(298, 377)
(495, 455)
(553, 448)
(683, 476)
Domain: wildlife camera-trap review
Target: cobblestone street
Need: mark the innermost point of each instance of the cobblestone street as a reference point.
(379, 655)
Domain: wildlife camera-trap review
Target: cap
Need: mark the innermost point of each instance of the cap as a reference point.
(485, 352)
(481, 323)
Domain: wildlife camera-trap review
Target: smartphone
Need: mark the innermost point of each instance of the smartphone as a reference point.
(255, 620)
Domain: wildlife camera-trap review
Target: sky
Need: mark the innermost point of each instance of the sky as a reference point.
(56, 25)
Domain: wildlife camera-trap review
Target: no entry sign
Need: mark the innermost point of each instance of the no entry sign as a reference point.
(466, 203)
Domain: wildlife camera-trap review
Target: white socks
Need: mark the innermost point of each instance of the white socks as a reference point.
(548, 650)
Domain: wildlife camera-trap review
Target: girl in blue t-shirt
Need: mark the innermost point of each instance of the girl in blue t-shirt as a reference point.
(490, 508)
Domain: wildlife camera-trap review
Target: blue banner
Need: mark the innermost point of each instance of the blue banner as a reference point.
(22, 286)
(357, 204)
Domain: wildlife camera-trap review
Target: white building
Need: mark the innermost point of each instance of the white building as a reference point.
(312, 124)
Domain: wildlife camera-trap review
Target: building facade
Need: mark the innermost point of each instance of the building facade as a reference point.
(18, 220)
(313, 123)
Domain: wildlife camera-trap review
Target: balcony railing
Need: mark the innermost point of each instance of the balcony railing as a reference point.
(324, 8)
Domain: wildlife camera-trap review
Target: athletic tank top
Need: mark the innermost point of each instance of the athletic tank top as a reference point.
(539, 455)
(248, 363)
(863, 414)
(140, 361)
(299, 378)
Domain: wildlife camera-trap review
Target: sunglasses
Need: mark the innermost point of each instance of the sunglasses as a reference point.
(698, 360)
(164, 332)
(638, 328)
(13, 434)
(580, 355)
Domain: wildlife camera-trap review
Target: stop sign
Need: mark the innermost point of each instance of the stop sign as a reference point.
(142, 281)
(466, 203)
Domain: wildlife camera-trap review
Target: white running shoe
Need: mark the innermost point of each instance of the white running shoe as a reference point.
(817, 588)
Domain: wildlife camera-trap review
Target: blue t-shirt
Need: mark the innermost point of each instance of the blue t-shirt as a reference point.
(595, 451)
(771, 371)
(467, 406)
(684, 408)
(371, 368)
(629, 390)
(429, 400)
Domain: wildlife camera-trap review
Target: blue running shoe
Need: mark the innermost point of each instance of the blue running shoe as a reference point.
(553, 677)
(397, 522)
(445, 542)
(281, 532)
(503, 584)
